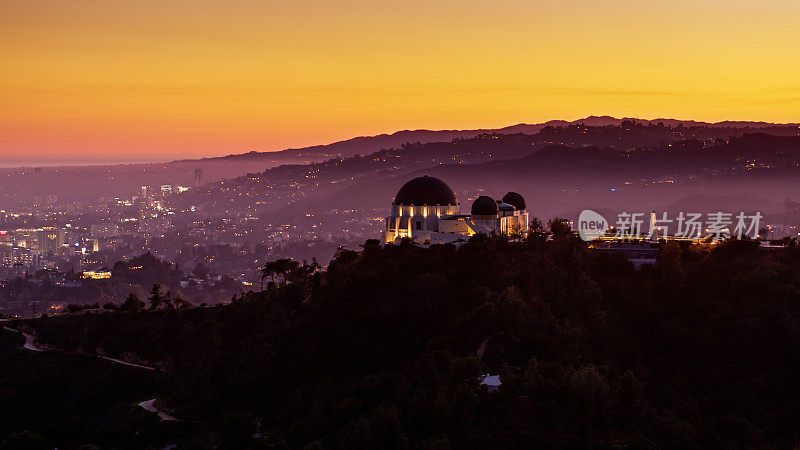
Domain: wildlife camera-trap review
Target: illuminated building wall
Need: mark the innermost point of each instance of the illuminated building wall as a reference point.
(51, 240)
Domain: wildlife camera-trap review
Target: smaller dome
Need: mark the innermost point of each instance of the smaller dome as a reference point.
(484, 206)
(514, 199)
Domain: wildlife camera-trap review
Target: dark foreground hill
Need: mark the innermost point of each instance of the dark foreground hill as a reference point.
(386, 350)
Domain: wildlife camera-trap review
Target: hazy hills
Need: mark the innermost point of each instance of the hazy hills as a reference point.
(559, 169)
(369, 144)
(21, 186)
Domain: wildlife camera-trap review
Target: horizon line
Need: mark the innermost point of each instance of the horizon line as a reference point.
(84, 162)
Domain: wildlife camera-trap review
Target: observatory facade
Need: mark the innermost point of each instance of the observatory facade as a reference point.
(426, 210)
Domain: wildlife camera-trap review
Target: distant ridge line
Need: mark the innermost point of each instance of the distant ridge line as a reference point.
(385, 140)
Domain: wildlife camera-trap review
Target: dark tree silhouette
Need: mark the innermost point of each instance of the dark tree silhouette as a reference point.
(156, 299)
(132, 304)
(282, 270)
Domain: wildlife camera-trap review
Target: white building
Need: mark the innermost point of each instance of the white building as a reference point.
(426, 210)
(492, 382)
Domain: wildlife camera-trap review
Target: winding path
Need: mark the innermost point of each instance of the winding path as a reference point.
(30, 344)
(149, 406)
(30, 340)
(126, 363)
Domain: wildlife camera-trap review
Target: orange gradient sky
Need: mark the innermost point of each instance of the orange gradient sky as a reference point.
(158, 80)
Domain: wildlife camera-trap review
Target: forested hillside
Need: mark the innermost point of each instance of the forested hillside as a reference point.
(387, 348)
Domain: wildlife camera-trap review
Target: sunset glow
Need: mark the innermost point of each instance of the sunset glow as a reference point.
(163, 80)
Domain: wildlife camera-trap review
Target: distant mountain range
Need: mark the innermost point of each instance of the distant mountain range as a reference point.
(20, 186)
(364, 145)
(561, 167)
(602, 121)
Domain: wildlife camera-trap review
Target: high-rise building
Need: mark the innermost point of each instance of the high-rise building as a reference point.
(51, 239)
(18, 257)
(198, 174)
(166, 189)
(26, 238)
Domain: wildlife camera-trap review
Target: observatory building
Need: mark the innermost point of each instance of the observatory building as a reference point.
(426, 210)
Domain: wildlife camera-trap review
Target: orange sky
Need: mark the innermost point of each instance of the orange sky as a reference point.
(163, 79)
